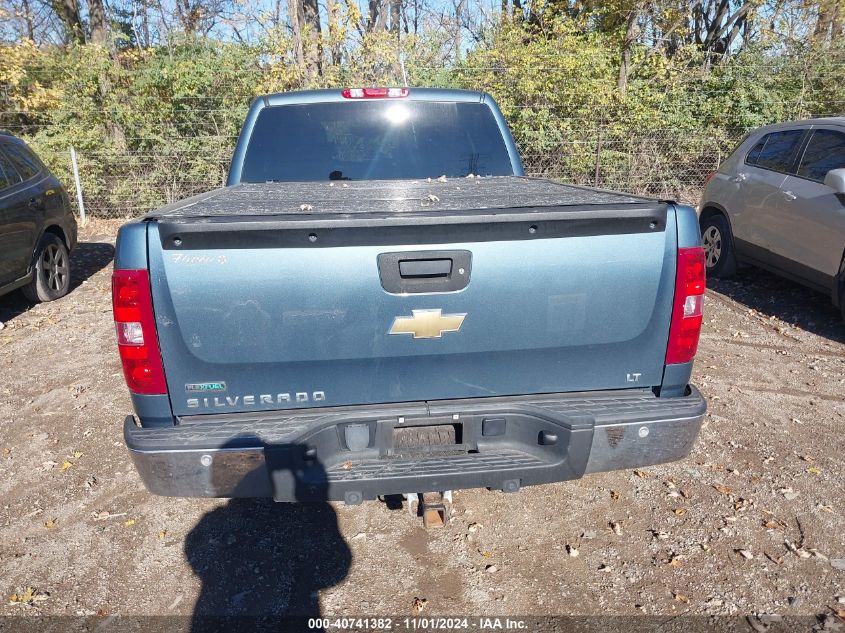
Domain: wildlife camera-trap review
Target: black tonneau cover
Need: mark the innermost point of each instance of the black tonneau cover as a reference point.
(317, 214)
(395, 197)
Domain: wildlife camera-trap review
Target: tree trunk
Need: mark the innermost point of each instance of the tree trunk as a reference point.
(627, 48)
(97, 22)
(189, 15)
(459, 17)
(312, 45)
(377, 18)
(27, 16)
(836, 22)
(68, 12)
(295, 17)
(822, 32)
(335, 43)
(145, 21)
(395, 15)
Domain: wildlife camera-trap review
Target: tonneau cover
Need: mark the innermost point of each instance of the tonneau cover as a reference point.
(393, 197)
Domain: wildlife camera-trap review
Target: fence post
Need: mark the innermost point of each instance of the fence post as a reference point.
(78, 186)
(598, 156)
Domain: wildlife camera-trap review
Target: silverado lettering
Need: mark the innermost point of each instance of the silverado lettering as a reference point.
(234, 401)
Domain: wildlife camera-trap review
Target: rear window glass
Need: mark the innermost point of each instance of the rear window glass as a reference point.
(825, 151)
(8, 175)
(24, 160)
(754, 154)
(778, 150)
(375, 140)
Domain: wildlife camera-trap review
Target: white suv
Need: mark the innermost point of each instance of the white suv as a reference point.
(778, 202)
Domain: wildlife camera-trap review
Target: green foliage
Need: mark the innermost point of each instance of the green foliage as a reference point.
(151, 126)
(674, 124)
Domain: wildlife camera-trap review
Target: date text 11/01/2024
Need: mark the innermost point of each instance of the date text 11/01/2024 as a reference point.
(418, 624)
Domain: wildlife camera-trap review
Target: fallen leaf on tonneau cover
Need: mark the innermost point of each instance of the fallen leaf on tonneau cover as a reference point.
(680, 511)
(642, 474)
(66, 465)
(51, 524)
(129, 523)
(419, 604)
(614, 495)
(676, 563)
(77, 454)
(347, 465)
(814, 471)
(681, 598)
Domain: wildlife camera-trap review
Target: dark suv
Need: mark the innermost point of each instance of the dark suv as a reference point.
(37, 228)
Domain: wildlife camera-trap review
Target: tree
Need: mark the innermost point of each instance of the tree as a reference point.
(98, 23)
(717, 24)
(831, 14)
(68, 13)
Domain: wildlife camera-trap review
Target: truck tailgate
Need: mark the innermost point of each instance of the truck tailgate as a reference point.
(263, 312)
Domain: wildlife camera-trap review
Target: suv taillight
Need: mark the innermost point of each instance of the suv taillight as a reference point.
(687, 307)
(137, 340)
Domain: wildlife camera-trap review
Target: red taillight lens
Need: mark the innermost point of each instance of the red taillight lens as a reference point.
(375, 93)
(690, 283)
(709, 177)
(137, 341)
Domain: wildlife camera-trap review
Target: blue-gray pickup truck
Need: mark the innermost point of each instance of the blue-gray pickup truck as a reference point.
(379, 303)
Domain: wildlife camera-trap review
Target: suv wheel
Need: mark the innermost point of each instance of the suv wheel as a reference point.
(718, 246)
(52, 271)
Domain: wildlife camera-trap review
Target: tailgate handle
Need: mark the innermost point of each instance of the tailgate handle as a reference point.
(418, 272)
(409, 269)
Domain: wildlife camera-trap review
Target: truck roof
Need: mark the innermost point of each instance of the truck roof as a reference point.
(298, 200)
(336, 94)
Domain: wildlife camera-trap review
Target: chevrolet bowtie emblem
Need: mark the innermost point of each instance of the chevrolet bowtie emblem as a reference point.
(427, 323)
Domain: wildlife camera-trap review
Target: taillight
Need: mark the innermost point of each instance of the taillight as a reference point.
(687, 308)
(709, 177)
(375, 93)
(137, 340)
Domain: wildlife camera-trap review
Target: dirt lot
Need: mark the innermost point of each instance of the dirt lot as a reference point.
(751, 523)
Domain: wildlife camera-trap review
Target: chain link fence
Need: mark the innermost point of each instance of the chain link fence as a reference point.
(665, 163)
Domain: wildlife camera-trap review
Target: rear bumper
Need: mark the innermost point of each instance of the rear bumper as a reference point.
(348, 454)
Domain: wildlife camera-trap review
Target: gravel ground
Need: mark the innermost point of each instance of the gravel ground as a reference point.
(750, 523)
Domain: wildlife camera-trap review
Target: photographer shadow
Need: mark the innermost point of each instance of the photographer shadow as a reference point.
(262, 564)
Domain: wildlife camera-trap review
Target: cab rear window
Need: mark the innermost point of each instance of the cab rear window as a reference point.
(375, 140)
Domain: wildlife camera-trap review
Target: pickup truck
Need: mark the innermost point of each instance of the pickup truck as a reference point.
(379, 303)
